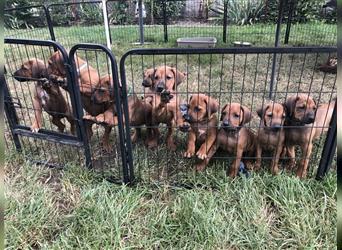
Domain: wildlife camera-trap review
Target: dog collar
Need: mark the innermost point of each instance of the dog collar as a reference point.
(83, 66)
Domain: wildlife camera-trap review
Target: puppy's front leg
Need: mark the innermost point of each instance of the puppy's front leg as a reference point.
(202, 165)
(236, 163)
(37, 120)
(292, 154)
(258, 157)
(303, 166)
(191, 145)
(275, 160)
(205, 147)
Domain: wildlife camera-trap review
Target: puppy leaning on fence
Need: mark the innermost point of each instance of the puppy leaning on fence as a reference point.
(46, 95)
(233, 137)
(202, 126)
(88, 78)
(305, 121)
(161, 84)
(139, 110)
(271, 134)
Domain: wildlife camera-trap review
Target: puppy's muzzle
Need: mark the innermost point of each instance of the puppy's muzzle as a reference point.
(146, 83)
(276, 127)
(17, 76)
(227, 126)
(310, 118)
(160, 87)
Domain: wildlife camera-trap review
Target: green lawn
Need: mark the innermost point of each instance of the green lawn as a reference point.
(77, 208)
(74, 208)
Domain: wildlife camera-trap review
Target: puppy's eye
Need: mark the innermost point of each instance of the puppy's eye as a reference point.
(314, 108)
(168, 77)
(270, 115)
(197, 109)
(156, 77)
(301, 107)
(236, 115)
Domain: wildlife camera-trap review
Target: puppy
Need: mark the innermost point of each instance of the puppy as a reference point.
(271, 134)
(161, 83)
(233, 137)
(139, 110)
(330, 66)
(203, 125)
(46, 95)
(304, 122)
(88, 78)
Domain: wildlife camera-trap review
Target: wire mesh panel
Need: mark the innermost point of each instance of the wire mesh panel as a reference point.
(200, 92)
(99, 90)
(304, 20)
(27, 22)
(41, 115)
(78, 22)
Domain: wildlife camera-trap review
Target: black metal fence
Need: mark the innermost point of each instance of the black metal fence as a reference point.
(166, 20)
(128, 141)
(45, 115)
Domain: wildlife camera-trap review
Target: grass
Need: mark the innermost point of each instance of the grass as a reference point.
(75, 208)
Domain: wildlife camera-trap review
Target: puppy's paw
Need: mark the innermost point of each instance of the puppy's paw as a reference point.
(89, 118)
(165, 96)
(189, 153)
(35, 128)
(201, 154)
(199, 167)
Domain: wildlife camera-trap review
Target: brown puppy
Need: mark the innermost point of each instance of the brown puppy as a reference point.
(163, 79)
(203, 125)
(330, 66)
(303, 124)
(139, 110)
(233, 136)
(88, 78)
(46, 95)
(271, 134)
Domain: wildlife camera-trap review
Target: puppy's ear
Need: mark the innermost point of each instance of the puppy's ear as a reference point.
(247, 115)
(212, 105)
(290, 104)
(179, 76)
(224, 107)
(262, 110)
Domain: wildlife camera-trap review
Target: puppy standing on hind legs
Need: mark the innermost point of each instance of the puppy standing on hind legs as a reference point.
(271, 134)
(304, 123)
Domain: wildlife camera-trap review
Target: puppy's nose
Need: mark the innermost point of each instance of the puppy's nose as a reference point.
(311, 117)
(160, 87)
(145, 83)
(225, 123)
(276, 127)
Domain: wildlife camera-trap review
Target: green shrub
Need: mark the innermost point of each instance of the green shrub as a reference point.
(174, 9)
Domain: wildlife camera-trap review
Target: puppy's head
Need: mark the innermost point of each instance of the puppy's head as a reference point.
(30, 70)
(201, 107)
(234, 116)
(103, 92)
(166, 78)
(148, 78)
(272, 115)
(56, 64)
(301, 108)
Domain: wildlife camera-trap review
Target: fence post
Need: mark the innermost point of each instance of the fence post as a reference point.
(10, 112)
(141, 22)
(329, 147)
(110, 35)
(49, 22)
(225, 20)
(276, 44)
(289, 21)
(166, 38)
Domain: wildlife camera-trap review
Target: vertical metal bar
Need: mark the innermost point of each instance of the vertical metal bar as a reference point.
(110, 34)
(10, 112)
(276, 44)
(166, 38)
(225, 20)
(75, 97)
(49, 22)
(289, 21)
(141, 22)
(329, 147)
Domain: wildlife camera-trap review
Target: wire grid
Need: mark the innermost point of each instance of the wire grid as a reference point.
(242, 78)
